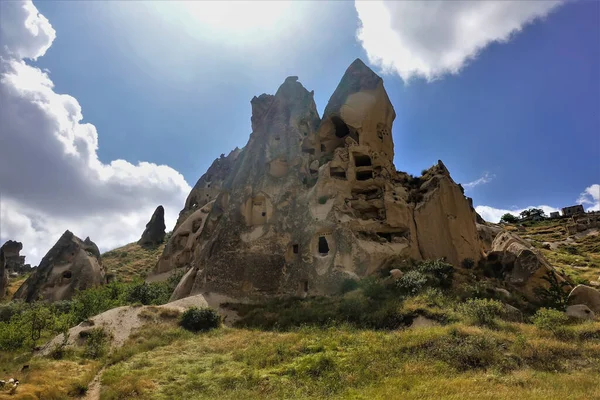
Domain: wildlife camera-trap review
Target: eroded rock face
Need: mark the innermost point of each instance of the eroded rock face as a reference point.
(519, 264)
(13, 261)
(155, 229)
(70, 265)
(311, 201)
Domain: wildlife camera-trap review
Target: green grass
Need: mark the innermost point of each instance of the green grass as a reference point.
(455, 361)
(131, 261)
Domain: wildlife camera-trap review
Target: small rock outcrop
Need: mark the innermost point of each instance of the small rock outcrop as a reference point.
(519, 264)
(586, 295)
(154, 233)
(70, 265)
(312, 201)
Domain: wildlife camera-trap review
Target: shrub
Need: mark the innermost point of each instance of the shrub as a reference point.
(482, 311)
(150, 293)
(412, 282)
(200, 319)
(323, 199)
(557, 293)
(349, 285)
(549, 319)
(96, 344)
(429, 273)
(468, 263)
(440, 272)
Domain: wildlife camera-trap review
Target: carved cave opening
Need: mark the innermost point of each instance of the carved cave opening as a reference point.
(362, 160)
(67, 274)
(337, 172)
(341, 129)
(323, 246)
(364, 175)
(295, 248)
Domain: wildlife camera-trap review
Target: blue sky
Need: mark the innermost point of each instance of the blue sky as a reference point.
(517, 118)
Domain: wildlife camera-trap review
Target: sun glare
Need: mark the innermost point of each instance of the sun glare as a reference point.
(237, 17)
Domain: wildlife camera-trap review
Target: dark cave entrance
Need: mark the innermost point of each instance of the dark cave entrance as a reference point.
(323, 246)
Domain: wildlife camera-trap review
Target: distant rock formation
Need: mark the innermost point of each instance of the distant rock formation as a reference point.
(310, 202)
(70, 265)
(155, 229)
(14, 262)
(519, 264)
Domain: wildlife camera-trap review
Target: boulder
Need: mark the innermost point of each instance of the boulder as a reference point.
(580, 311)
(311, 201)
(518, 263)
(70, 265)
(583, 294)
(487, 233)
(396, 274)
(154, 233)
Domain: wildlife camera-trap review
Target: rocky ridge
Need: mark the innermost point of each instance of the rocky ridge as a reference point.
(310, 202)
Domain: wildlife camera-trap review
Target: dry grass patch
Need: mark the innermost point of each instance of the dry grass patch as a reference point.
(131, 261)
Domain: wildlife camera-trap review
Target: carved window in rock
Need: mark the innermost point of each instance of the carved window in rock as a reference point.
(337, 172)
(258, 211)
(364, 175)
(362, 160)
(295, 248)
(323, 246)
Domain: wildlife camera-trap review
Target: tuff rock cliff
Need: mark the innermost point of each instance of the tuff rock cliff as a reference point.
(310, 202)
(71, 264)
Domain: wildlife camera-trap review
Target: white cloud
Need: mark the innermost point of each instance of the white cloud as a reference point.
(591, 196)
(433, 38)
(50, 176)
(492, 214)
(487, 177)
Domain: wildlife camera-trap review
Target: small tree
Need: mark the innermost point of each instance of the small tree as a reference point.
(509, 218)
(533, 213)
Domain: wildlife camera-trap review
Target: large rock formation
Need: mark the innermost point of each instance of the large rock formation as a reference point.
(155, 229)
(13, 261)
(70, 265)
(310, 201)
(520, 265)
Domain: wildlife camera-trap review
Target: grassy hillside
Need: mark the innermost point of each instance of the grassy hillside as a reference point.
(131, 261)
(578, 256)
(416, 338)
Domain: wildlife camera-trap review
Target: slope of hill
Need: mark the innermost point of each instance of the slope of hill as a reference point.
(131, 261)
(577, 255)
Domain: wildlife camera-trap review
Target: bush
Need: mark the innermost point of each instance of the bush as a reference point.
(200, 319)
(482, 311)
(429, 273)
(323, 199)
(96, 344)
(412, 282)
(150, 293)
(349, 285)
(468, 263)
(549, 319)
